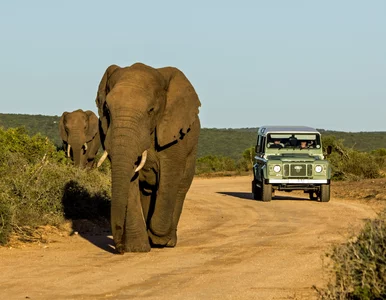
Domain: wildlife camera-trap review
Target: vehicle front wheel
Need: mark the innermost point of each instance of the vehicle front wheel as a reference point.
(324, 194)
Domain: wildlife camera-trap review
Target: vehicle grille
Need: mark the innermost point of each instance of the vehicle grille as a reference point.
(297, 170)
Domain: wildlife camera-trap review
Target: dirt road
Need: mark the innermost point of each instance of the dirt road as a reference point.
(230, 247)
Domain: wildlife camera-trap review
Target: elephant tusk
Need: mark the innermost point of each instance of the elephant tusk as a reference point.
(68, 150)
(85, 146)
(102, 159)
(143, 160)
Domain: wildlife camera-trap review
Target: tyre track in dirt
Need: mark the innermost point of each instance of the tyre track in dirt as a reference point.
(230, 247)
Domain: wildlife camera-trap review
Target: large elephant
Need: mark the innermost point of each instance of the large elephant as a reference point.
(150, 129)
(79, 131)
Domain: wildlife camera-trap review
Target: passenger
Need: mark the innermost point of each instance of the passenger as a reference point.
(276, 144)
(303, 145)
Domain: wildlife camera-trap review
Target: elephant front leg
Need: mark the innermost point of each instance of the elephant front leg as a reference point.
(134, 237)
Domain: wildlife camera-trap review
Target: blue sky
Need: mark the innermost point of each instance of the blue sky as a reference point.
(252, 63)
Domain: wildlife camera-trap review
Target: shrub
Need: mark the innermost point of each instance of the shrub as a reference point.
(35, 184)
(380, 157)
(248, 159)
(211, 163)
(33, 149)
(349, 164)
(5, 219)
(359, 266)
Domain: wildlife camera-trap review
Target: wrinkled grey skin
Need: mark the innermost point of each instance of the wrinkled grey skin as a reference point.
(142, 108)
(80, 130)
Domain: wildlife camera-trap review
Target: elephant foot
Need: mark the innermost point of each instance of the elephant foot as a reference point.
(159, 241)
(120, 248)
(133, 247)
(173, 240)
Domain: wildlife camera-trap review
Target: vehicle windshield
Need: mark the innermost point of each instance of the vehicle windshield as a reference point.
(293, 140)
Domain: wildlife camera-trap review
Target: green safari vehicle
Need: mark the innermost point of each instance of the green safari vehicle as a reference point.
(290, 158)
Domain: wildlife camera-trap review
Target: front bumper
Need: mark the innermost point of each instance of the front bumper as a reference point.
(298, 181)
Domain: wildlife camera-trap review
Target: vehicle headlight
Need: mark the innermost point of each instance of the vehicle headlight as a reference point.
(277, 168)
(318, 169)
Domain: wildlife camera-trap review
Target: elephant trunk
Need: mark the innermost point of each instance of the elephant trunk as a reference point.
(121, 175)
(127, 221)
(77, 142)
(78, 152)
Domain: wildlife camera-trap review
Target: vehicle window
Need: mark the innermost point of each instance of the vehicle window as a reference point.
(295, 140)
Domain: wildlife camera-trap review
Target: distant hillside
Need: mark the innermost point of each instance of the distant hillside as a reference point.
(232, 142)
(46, 125)
(225, 142)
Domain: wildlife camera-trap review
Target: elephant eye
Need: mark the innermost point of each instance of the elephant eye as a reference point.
(151, 110)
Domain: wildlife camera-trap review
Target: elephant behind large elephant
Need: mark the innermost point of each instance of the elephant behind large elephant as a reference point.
(150, 129)
(79, 131)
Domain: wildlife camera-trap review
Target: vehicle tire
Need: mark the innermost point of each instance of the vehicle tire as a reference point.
(266, 192)
(313, 196)
(324, 193)
(256, 191)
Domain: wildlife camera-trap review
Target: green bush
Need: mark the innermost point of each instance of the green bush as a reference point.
(248, 158)
(35, 185)
(33, 149)
(350, 164)
(380, 157)
(359, 266)
(5, 219)
(211, 163)
(223, 164)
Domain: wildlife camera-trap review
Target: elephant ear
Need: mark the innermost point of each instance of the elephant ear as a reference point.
(103, 90)
(93, 125)
(181, 108)
(62, 129)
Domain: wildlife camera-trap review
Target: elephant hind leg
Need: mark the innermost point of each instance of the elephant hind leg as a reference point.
(161, 214)
(147, 205)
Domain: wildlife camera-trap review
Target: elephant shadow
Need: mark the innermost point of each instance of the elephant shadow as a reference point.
(89, 214)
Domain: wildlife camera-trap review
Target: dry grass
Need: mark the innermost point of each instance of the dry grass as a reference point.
(366, 189)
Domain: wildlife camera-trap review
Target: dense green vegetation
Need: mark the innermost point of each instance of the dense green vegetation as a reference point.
(40, 187)
(220, 142)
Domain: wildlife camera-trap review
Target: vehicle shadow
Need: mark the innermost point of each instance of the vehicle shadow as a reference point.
(281, 197)
(89, 215)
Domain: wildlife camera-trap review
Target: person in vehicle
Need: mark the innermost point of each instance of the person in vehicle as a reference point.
(303, 145)
(275, 144)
